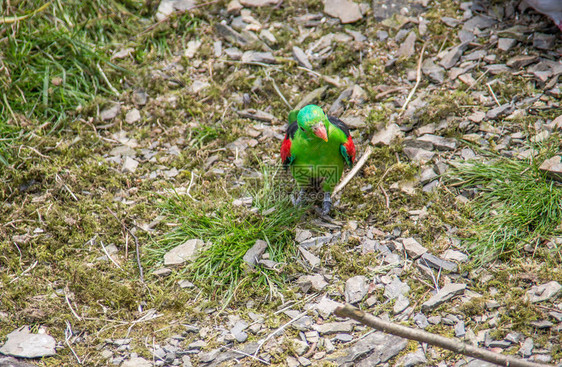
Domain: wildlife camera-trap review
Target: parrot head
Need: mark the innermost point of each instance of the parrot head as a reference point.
(312, 120)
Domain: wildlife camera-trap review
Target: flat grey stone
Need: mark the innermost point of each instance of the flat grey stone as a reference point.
(478, 363)
(383, 347)
(453, 56)
(502, 110)
(347, 11)
(233, 53)
(111, 112)
(311, 97)
(521, 61)
(527, 348)
(22, 343)
(506, 44)
(257, 115)
(317, 242)
(543, 41)
(454, 255)
(418, 154)
(315, 282)
(312, 259)
(129, 165)
(254, 254)
(542, 324)
(407, 48)
(402, 302)
(386, 135)
(255, 56)
(460, 330)
(301, 57)
(355, 289)
(140, 97)
(435, 262)
(450, 22)
(326, 307)
(543, 292)
(132, 116)
(395, 288)
(238, 331)
(343, 337)
(334, 327)
(136, 362)
(413, 248)
(428, 175)
(439, 142)
(167, 7)
(553, 167)
(480, 22)
(500, 344)
(413, 359)
(435, 72)
(183, 253)
(445, 294)
(12, 362)
(421, 321)
(495, 69)
(231, 35)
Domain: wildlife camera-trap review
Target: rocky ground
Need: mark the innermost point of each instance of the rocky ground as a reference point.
(196, 122)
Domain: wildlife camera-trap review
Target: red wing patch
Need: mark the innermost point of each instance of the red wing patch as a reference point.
(350, 148)
(286, 151)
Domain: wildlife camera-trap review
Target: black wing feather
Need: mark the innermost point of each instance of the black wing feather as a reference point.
(340, 124)
(292, 129)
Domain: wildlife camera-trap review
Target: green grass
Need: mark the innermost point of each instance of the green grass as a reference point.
(230, 232)
(516, 205)
(55, 58)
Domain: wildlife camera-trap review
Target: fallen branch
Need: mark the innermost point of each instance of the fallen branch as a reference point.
(418, 79)
(432, 339)
(354, 171)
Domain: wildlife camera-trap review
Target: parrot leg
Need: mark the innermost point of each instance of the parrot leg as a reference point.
(299, 199)
(327, 203)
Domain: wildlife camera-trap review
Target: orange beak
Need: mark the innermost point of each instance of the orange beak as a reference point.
(320, 131)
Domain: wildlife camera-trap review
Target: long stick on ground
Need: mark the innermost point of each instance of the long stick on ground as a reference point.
(432, 339)
(354, 171)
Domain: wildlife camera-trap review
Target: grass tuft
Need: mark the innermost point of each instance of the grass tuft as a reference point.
(229, 232)
(515, 205)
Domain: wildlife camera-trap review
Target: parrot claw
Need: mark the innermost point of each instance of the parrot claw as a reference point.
(299, 199)
(326, 204)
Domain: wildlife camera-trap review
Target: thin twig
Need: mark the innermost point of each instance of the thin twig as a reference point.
(477, 80)
(26, 270)
(247, 355)
(493, 94)
(115, 91)
(354, 171)
(418, 79)
(109, 256)
(279, 330)
(57, 177)
(279, 92)
(385, 196)
(432, 339)
(70, 306)
(311, 350)
(67, 335)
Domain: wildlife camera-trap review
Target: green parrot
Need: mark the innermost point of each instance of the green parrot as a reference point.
(316, 148)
